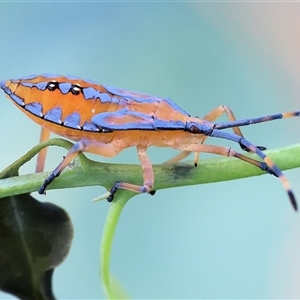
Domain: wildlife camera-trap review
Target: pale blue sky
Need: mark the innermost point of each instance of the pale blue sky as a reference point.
(236, 239)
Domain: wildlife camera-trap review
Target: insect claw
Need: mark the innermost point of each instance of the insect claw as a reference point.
(112, 192)
(48, 180)
(110, 198)
(293, 200)
(262, 148)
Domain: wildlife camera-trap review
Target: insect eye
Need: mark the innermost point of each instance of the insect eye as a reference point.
(75, 89)
(51, 86)
(194, 129)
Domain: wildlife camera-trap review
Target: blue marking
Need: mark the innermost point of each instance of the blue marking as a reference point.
(145, 121)
(6, 89)
(144, 98)
(162, 124)
(35, 108)
(90, 93)
(50, 75)
(100, 119)
(69, 76)
(17, 99)
(12, 96)
(54, 115)
(28, 84)
(2, 85)
(105, 98)
(131, 95)
(29, 77)
(176, 107)
(87, 126)
(64, 87)
(120, 101)
(229, 136)
(42, 86)
(72, 121)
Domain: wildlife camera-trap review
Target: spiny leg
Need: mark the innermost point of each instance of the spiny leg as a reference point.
(107, 150)
(148, 177)
(267, 164)
(45, 133)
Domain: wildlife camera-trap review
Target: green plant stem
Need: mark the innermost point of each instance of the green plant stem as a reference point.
(112, 219)
(85, 172)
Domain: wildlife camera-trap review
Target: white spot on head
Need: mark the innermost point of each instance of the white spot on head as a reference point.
(93, 111)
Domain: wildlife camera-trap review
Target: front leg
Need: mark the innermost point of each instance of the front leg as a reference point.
(107, 150)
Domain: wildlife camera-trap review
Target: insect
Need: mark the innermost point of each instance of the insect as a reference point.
(105, 120)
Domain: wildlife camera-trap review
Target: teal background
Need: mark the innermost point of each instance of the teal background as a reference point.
(236, 239)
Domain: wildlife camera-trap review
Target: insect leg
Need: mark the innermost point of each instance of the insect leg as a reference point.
(229, 152)
(267, 164)
(212, 116)
(45, 133)
(148, 176)
(107, 150)
(180, 156)
(252, 148)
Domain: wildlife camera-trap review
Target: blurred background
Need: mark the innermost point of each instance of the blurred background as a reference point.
(238, 239)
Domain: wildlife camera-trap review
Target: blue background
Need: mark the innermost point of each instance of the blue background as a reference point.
(236, 239)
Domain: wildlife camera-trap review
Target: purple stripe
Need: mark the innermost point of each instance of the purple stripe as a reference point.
(72, 121)
(64, 87)
(41, 85)
(35, 108)
(54, 115)
(87, 126)
(146, 122)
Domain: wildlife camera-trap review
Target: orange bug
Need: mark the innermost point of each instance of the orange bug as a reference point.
(105, 120)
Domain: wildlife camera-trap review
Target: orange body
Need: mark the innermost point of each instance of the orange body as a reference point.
(160, 109)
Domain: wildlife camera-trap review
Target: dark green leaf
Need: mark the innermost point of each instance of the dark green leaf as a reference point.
(35, 237)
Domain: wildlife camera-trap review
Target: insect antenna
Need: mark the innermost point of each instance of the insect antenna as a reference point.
(245, 122)
(252, 148)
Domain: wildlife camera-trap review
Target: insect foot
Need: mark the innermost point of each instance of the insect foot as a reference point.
(130, 187)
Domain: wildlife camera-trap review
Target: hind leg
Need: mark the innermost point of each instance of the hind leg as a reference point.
(267, 164)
